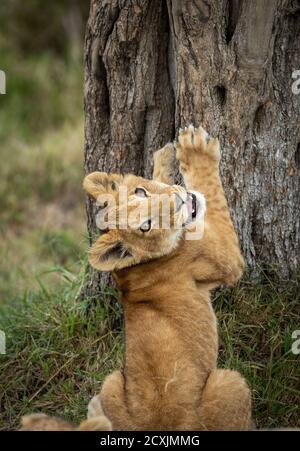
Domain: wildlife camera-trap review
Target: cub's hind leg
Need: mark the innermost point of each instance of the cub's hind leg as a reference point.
(199, 158)
(164, 165)
(225, 403)
(111, 402)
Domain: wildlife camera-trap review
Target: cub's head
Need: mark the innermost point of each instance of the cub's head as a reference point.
(139, 219)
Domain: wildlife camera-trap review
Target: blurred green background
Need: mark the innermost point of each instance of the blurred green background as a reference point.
(42, 220)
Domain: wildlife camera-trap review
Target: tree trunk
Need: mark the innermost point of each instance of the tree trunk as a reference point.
(153, 66)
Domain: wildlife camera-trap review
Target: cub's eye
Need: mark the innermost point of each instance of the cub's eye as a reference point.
(146, 226)
(141, 192)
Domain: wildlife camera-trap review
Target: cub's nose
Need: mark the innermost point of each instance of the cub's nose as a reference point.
(179, 202)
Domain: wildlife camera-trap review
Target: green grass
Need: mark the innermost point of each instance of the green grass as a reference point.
(59, 350)
(256, 325)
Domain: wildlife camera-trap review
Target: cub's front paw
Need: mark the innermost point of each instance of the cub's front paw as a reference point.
(94, 407)
(164, 164)
(194, 145)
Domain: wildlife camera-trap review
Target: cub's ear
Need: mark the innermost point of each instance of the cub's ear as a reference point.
(98, 183)
(109, 253)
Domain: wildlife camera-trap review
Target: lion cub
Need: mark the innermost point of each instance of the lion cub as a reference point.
(164, 275)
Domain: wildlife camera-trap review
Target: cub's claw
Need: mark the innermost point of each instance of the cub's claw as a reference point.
(196, 140)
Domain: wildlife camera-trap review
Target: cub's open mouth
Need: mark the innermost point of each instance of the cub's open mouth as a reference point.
(192, 205)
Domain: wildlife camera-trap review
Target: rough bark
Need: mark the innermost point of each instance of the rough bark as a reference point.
(155, 65)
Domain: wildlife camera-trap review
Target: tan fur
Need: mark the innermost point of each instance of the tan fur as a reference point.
(170, 380)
